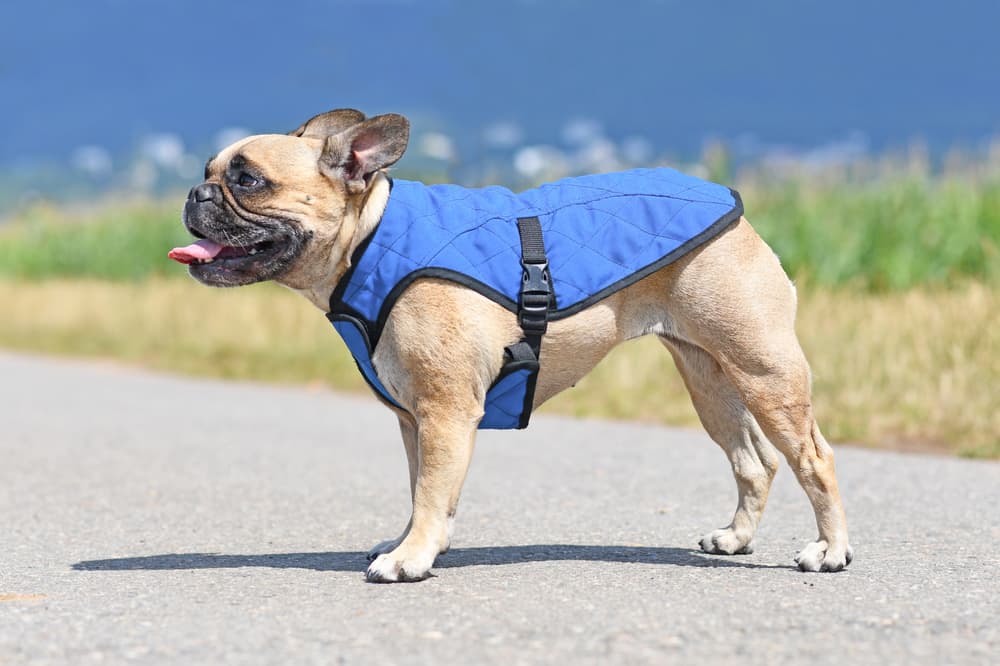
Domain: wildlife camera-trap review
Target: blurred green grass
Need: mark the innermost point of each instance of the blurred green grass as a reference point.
(886, 233)
(108, 241)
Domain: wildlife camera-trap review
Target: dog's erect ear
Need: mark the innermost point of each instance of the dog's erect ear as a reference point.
(356, 153)
(329, 123)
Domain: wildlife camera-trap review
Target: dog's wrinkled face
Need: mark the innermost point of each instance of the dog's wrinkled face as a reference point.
(273, 206)
(250, 232)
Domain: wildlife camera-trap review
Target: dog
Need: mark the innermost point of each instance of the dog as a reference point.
(306, 209)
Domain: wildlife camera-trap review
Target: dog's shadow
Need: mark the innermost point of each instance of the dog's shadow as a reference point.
(456, 557)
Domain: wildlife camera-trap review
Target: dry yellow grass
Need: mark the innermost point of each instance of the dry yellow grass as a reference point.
(919, 369)
(260, 332)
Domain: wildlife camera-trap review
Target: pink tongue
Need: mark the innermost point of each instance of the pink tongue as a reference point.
(203, 249)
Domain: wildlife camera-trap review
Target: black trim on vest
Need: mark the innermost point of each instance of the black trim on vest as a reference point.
(363, 329)
(710, 232)
(337, 304)
(444, 274)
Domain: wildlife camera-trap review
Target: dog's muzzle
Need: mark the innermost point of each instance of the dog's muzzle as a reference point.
(233, 250)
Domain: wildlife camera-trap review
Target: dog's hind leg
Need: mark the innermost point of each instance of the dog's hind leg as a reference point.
(731, 425)
(776, 389)
(732, 299)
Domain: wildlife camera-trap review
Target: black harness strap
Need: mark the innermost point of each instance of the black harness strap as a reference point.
(535, 298)
(532, 245)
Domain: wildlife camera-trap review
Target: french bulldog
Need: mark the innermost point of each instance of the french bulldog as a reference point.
(303, 208)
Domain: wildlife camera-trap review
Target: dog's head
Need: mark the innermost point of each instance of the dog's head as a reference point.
(286, 207)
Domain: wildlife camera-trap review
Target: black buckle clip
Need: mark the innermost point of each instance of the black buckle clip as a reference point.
(536, 296)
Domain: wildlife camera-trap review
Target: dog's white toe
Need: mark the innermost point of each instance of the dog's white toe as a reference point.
(726, 541)
(390, 568)
(818, 556)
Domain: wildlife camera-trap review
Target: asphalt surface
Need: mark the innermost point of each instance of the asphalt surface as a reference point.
(152, 519)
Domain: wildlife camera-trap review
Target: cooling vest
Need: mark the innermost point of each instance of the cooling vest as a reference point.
(600, 233)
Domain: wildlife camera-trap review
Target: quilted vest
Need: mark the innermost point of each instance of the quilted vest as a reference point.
(601, 233)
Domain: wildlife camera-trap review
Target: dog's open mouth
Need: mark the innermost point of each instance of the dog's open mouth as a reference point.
(207, 251)
(216, 264)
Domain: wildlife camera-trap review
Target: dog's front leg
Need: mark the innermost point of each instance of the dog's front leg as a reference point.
(444, 448)
(408, 431)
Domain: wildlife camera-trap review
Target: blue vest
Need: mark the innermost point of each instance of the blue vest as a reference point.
(601, 234)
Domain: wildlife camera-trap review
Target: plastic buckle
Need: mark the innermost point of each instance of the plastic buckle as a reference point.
(536, 296)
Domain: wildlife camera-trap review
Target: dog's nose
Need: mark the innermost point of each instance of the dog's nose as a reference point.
(206, 192)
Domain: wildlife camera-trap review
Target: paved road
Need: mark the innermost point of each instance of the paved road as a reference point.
(152, 519)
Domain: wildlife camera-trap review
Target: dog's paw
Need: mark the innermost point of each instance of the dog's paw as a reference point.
(818, 556)
(726, 541)
(393, 567)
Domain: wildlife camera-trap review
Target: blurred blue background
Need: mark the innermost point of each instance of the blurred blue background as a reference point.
(109, 93)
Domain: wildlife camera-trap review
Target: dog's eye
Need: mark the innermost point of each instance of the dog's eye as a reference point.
(246, 180)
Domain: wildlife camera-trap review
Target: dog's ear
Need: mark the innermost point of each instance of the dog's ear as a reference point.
(356, 153)
(329, 123)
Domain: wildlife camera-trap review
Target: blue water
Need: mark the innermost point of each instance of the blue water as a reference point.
(800, 72)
